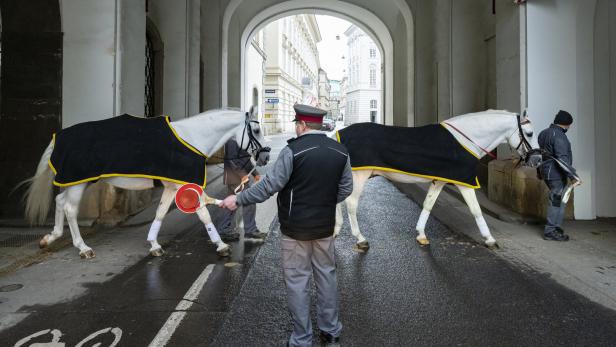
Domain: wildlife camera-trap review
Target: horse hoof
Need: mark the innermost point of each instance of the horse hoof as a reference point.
(44, 241)
(492, 245)
(225, 252)
(87, 254)
(423, 241)
(158, 252)
(364, 245)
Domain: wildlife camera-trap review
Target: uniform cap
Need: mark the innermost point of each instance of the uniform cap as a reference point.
(308, 113)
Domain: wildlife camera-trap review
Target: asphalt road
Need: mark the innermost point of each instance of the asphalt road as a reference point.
(454, 292)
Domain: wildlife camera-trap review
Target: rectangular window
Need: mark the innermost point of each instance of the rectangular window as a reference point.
(372, 52)
(373, 116)
(372, 103)
(372, 77)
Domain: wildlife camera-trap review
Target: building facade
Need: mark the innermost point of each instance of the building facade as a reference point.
(334, 99)
(291, 69)
(364, 91)
(324, 91)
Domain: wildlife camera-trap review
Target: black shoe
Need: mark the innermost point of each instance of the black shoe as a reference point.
(328, 339)
(255, 235)
(230, 237)
(560, 230)
(556, 236)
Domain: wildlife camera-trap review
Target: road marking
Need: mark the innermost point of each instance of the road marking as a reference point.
(174, 320)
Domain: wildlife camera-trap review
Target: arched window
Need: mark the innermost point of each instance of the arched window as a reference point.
(153, 71)
(373, 103)
(255, 97)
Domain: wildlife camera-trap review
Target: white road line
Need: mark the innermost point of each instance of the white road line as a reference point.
(165, 333)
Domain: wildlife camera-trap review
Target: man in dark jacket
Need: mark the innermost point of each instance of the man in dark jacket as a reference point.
(237, 167)
(555, 170)
(311, 175)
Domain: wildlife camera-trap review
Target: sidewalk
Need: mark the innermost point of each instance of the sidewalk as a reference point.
(585, 264)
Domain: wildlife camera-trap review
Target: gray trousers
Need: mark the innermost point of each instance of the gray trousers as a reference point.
(299, 260)
(556, 208)
(249, 212)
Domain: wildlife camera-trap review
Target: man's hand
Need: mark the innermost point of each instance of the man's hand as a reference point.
(230, 202)
(576, 183)
(257, 178)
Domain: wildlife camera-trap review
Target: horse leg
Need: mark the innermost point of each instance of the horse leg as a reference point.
(339, 219)
(58, 228)
(435, 189)
(222, 248)
(163, 207)
(473, 205)
(360, 178)
(71, 209)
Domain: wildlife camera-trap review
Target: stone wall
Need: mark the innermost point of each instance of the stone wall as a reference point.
(519, 189)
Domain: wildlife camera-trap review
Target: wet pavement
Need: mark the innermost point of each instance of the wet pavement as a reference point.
(454, 292)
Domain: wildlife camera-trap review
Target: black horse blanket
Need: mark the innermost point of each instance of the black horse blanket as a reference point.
(125, 146)
(429, 151)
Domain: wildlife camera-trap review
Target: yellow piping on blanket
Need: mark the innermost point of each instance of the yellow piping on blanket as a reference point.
(182, 141)
(57, 184)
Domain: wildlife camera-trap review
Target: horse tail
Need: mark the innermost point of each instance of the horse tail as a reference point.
(40, 189)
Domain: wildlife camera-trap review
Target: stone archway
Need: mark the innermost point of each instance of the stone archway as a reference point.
(31, 91)
(242, 20)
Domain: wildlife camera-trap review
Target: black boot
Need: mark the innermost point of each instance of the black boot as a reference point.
(555, 236)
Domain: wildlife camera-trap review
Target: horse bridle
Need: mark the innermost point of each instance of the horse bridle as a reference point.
(528, 149)
(253, 144)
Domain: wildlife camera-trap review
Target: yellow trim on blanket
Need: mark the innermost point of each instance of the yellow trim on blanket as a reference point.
(182, 141)
(338, 136)
(57, 184)
(460, 143)
(418, 175)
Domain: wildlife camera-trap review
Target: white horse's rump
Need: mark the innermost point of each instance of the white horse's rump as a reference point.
(207, 132)
(478, 132)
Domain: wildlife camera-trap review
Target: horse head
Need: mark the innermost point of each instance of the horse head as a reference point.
(524, 141)
(250, 138)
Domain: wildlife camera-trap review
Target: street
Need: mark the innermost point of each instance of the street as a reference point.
(453, 292)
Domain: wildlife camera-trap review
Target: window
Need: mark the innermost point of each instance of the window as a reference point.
(373, 116)
(372, 103)
(372, 52)
(372, 76)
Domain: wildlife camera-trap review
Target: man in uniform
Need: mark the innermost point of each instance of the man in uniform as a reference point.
(312, 174)
(556, 146)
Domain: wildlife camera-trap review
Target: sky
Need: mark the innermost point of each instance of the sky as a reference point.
(331, 50)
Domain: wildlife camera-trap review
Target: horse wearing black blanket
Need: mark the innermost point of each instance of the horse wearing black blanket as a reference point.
(448, 152)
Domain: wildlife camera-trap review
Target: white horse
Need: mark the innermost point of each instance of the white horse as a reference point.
(207, 132)
(480, 133)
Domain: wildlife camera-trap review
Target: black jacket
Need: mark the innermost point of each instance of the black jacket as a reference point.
(555, 142)
(307, 203)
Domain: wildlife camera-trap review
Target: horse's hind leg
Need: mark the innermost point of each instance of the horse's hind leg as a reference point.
(71, 209)
(435, 189)
(339, 219)
(360, 178)
(473, 205)
(58, 228)
(221, 248)
(163, 207)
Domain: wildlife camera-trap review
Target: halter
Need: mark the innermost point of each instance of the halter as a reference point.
(528, 149)
(253, 144)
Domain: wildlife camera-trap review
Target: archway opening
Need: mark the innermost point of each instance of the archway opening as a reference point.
(294, 67)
